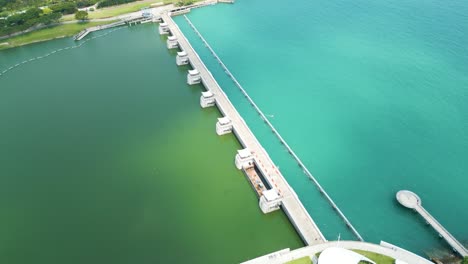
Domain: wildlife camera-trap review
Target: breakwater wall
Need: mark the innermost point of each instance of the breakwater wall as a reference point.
(290, 203)
(277, 134)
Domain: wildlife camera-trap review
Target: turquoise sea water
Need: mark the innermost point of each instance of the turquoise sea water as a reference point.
(372, 95)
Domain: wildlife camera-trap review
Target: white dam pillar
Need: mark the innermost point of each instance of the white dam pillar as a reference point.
(163, 28)
(223, 126)
(270, 201)
(244, 159)
(182, 58)
(172, 42)
(193, 77)
(207, 99)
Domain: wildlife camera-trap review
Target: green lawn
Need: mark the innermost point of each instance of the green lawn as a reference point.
(47, 34)
(116, 10)
(304, 260)
(377, 258)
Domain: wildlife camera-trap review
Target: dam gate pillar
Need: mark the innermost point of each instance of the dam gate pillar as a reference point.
(182, 58)
(172, 42)
(193, 77)
(207, 99)
(223, 126)
(244, 159)
(163, 29)
(270, 201)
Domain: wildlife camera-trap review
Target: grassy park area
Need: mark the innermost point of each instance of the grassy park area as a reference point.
(116, 10)
(70, 29)
(377, 258)
(48, 33)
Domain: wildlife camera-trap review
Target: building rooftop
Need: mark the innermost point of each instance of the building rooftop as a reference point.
(271, 195)
(193, 72)
(335, 255)
(244, 153)
(207, 94)
(224, 120)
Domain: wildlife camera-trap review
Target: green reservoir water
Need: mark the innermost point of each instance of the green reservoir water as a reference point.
(106, 157)
(372, 95)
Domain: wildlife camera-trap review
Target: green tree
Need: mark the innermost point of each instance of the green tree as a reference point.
(81, 15)
(465, 260)
(64, 8)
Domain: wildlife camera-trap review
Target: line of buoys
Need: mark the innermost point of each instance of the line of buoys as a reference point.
(56, 51)
(288, 148)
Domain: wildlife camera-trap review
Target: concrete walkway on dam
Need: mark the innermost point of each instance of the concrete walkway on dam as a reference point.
(384, 248)
(291, 204)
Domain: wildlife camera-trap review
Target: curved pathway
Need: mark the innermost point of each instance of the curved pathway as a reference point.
(384, 248)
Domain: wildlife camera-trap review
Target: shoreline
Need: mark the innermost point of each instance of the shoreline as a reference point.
(46, 34)
(64, 27)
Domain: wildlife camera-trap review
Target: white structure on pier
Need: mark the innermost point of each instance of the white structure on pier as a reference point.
(270, 201)
(163, 29)
(172, 42)
(193, 77)
(223, 126)
(182, 58)
(207, 99)
(335, 255)
(244, 159)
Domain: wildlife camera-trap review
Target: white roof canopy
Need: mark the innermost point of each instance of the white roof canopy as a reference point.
(193, 72)
(182, 53)
(397, 261)
(172, 38)
(244, 153)
(164, 24)
(335, 255)
(272, 195)
(224, 120)
(207, 94)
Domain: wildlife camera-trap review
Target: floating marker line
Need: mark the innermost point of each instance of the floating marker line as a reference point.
(56, 51)
(298, 160)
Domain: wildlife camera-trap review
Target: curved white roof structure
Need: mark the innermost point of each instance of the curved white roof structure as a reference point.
(335, 255)
(397, 261)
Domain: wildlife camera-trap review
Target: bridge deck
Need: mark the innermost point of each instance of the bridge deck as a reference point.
(451, 240)
(298, 215)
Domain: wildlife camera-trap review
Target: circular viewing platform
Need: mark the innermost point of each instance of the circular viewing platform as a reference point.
(408, 199)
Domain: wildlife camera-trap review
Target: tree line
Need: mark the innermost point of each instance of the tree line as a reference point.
(24, 20)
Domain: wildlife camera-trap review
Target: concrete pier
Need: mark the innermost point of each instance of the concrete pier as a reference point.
(291, 204)
(411, 200)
